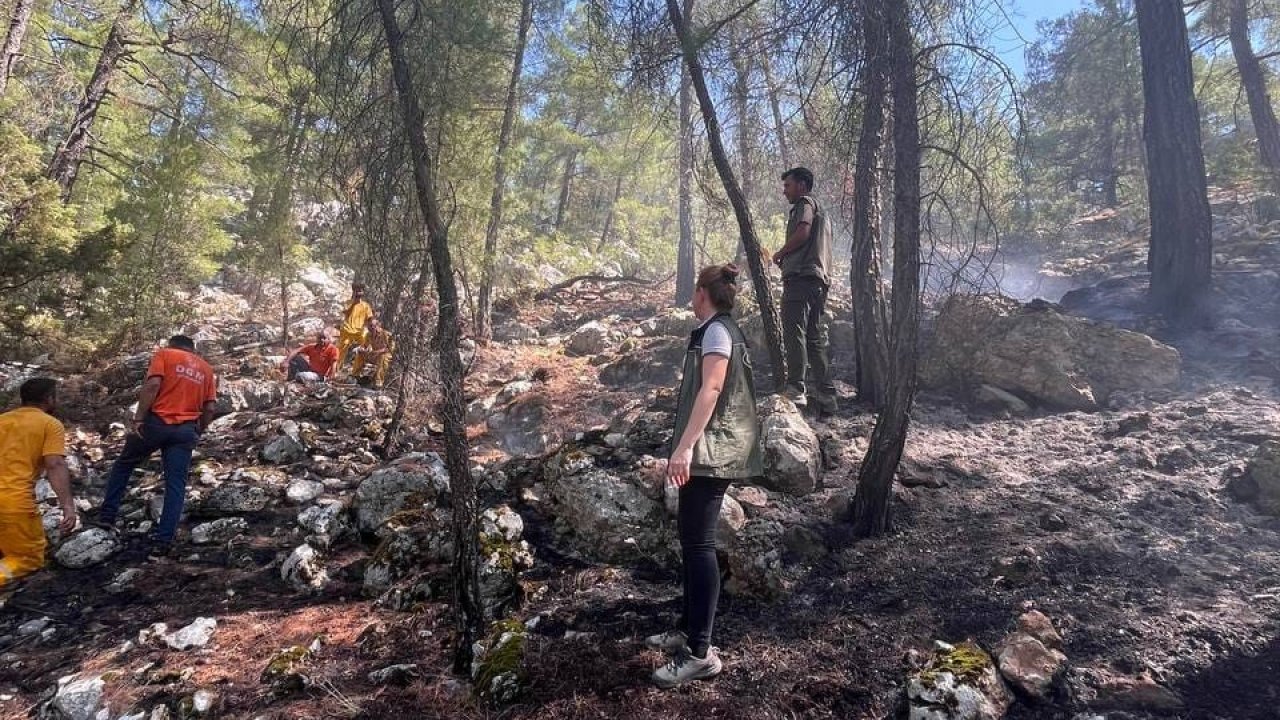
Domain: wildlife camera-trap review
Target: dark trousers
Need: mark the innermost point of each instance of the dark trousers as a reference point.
(699, 513)
(804, 338)
(298, 364)
(175, 443)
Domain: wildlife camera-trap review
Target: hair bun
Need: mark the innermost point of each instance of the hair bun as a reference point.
(730, 272)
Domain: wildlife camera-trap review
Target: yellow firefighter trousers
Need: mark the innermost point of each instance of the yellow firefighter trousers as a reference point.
(21, 545)
(379, 370)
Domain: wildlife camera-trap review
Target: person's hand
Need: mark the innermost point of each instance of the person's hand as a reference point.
(70, 518)
(678, 466)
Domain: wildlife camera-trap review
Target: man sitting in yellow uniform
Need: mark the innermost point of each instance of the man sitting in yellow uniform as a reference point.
(30, 440)
(354, 318)
(376, 351)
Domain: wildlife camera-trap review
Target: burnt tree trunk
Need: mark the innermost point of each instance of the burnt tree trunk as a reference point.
(685, 269)
(12, 48)
(870, 511)
(871, 349)
(65, 164)
(483, 315)
(746, 228)
(467, 606)
(278, 221)
(1181, 252)
(1253, 76)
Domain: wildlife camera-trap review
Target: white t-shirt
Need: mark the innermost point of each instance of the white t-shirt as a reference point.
(716, 339)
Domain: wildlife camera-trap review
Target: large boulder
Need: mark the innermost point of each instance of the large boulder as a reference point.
(592, 338)
(672, 323)
(88, 548)
(234, 499)
(327, 518)
(1260, 483)
(656, 362)
(283, 449)
(960, 682)
(218, 531)
(304, 569)
(603, 515)
(1041, 354)
(1030, 666)
(413, 481)
(792, 454)
(77, 697)
(248, 394)
(519, 427)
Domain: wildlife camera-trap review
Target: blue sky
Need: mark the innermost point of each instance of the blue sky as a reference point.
(1024, 14)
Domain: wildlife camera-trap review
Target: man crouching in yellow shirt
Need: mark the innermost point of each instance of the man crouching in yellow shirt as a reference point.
(30, 440)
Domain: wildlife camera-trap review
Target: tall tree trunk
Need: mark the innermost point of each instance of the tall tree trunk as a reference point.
(467, 606)
(1181, 253)
(775, 107)
(685, 266)
(746, 229)
(566, 185)
(65, 164)
(408, 358)
(279, 210)
(1253, 76)
(608, 218)
(1110, 169)
(870, 514)
(483, 315)
(741, 90)
(12, 48)
(871, 348)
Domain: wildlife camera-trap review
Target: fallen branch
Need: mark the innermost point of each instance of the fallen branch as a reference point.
(622, 280)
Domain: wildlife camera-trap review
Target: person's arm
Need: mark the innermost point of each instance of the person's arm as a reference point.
(715, 368)
(55, 469)
(800, 235)
(206, 415)
(289, 358)
(146, 397)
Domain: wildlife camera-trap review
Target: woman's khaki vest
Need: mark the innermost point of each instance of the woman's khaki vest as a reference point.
(730, 445)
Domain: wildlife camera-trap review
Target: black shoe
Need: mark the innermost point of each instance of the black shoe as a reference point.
(160, 550)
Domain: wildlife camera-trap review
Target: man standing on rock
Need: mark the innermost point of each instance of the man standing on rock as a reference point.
(175, 406)
(354, 319)
(31, 440)
(313, 362)
(805, 260)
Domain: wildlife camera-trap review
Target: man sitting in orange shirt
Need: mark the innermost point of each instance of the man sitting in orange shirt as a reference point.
(313, 362)
(31, 439)
(175, 406)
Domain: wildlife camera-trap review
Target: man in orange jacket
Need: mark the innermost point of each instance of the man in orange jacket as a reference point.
(175, 406)
(31, 440)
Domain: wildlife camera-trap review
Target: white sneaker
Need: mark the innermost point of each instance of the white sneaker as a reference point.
(669, 641)
(685, 668)
(797, 398)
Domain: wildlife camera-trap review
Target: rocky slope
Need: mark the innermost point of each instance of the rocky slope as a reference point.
(311, 581)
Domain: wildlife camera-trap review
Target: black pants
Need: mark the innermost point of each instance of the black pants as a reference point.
(700, 500)
(298, 364)
(804, 338)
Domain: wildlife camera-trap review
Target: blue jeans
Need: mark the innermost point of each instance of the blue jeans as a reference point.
(175, 443)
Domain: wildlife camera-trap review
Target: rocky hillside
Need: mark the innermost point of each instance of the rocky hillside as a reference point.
(1081, 532)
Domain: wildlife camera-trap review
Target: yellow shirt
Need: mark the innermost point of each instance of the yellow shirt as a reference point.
(27, 435)
(357, 315)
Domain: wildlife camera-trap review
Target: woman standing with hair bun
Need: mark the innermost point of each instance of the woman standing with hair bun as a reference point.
(715, 443)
